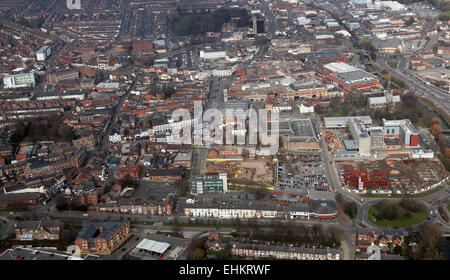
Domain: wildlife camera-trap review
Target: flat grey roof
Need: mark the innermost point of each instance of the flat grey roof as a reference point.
(350, 145)
(42, 49)
(356, 77)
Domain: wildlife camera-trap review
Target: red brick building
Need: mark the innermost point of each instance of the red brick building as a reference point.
(131, 171)
(102, 237)
(165, 175)
(20, 199)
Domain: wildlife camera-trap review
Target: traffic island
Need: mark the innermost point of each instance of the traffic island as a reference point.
(407, 212)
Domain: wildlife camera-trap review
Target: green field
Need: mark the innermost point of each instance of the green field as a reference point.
(76, 228)
(415, 219)
(446, 13)
(181, 24)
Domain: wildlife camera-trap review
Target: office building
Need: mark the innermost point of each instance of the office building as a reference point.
(402, 129)
(360, 135)
(43, 53)
(209, 184)
(19, 81)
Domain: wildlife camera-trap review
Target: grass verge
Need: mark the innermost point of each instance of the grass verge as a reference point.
(12, 210)
(422, 194)
(141, 223)
(199, 225)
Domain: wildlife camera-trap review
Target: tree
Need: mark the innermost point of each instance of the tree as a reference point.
(177, 228)
(128, 182)
(429, 241)
(316, 230)
(443, 141)
(260, 194)
(173, 15)
(447, 152)
(61, 202)
(168, 91)
(412, 205)
(351, 209)
(436, 130)
(435, 120)
(197, 249)
(198, 254)
(245, 153)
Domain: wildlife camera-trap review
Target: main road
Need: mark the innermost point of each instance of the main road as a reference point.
(364, 204)
(269, 15)
(438, 96)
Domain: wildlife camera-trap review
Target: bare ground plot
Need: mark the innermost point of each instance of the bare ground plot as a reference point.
(406, 176)
(245, 172)
(414, 45)
(438, 74)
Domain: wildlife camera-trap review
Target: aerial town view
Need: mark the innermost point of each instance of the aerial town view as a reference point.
(224, 130)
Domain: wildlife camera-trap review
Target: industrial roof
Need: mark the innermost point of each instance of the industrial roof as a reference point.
(43, 49)
(356, 77)
(339, 67)
(343, 121)
(350, 145)
(382, 99)
(108, 85)
(324, 36)
(153, 246)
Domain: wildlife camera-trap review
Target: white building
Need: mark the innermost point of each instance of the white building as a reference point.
(210, 54)
(306, 109)
(171, 125)
(393, 5)
(383, 101)
(115, 138)
(360, 135)
(78, 96)
(339, 67)
(43, 53)
(282, 108)
(19, 81)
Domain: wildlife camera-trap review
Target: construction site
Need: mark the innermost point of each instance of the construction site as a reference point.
(391, 175)
(334, 139)
(249, 172)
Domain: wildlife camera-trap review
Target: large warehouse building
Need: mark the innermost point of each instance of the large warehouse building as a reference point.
(350, 78)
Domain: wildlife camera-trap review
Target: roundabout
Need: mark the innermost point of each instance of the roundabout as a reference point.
(397, 214)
